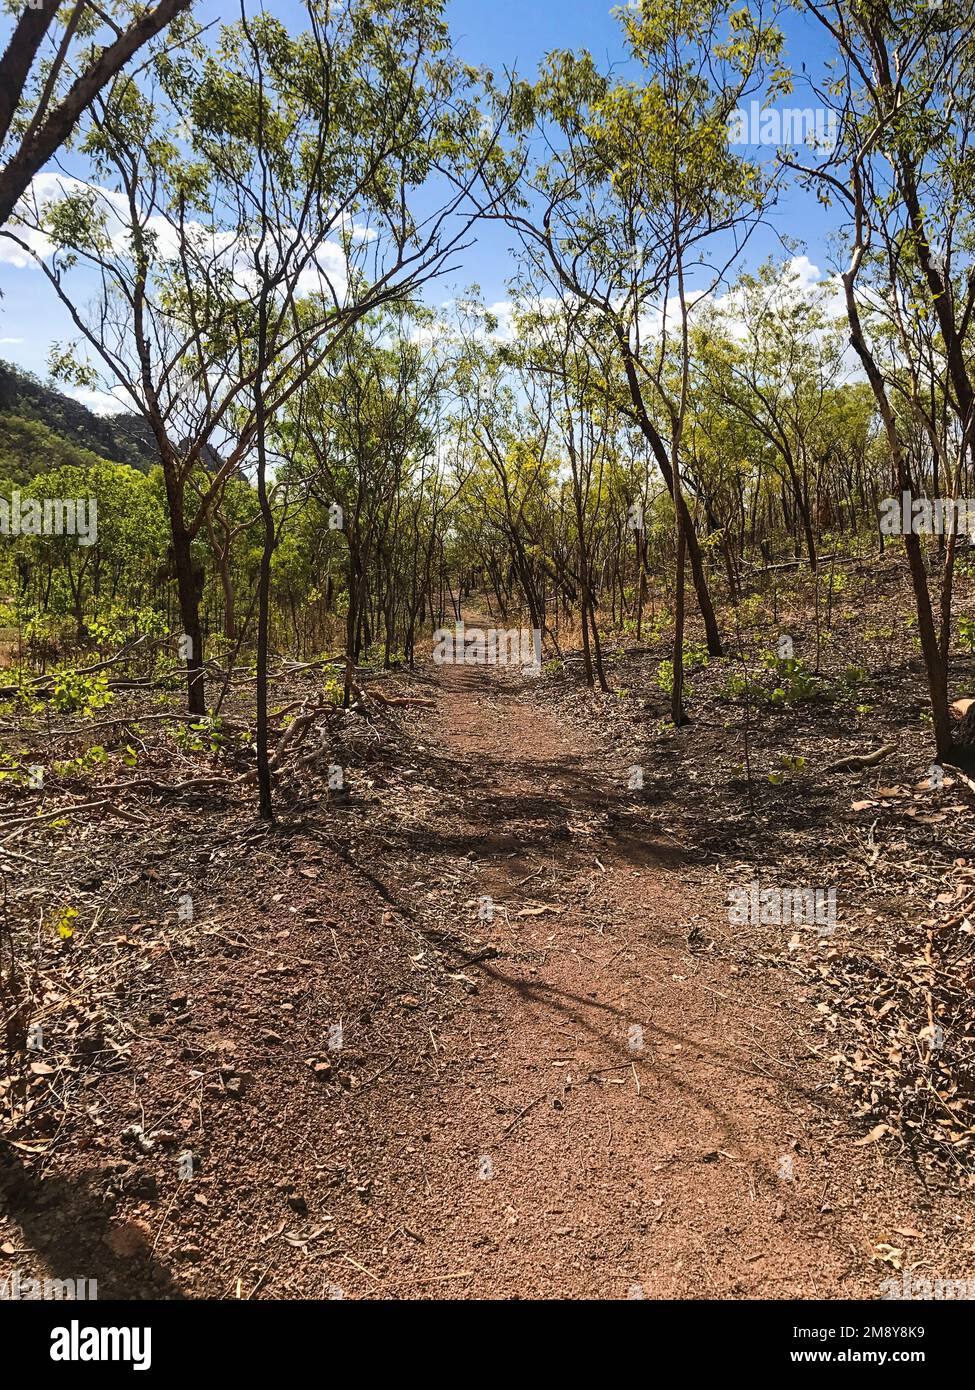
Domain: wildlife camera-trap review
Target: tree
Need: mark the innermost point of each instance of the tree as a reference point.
(619, 212)
(773, 366)
(38, 116)
(904, 95)
(233, 262)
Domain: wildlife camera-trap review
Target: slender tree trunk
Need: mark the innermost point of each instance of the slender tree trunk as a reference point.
(936, 669)
(652, 436)
(265, 800)
(189, 588)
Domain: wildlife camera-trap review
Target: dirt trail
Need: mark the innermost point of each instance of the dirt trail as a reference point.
(612, 1123)
(593, 1094)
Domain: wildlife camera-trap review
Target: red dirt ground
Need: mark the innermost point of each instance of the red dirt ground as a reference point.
(495, 1123)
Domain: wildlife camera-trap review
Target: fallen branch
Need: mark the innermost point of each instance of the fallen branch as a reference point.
(49, 677)
(858, 760)
(70, 811)
(962, 777)
(173, 715)
(417, 700)
(295, 733)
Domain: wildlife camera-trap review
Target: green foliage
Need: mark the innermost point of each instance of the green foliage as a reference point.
(75, 692)
(87, 762)
(40, 630)
(787, 680)
(201, 735)
(794, 682)
(788, 763)
(695, 659)
(121, 623)
(62, 922)
(738, 686)
(852, 678)
(334, 690)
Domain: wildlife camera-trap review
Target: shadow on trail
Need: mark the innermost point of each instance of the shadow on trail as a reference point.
(571, 1007)
(66, 1220)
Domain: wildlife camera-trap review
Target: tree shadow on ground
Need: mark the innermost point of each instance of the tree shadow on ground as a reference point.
(65, 1221)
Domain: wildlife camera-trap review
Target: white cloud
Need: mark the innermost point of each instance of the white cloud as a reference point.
(11, 254)
(101, 402)
(326, 271)
(801, 277)
(504, 312)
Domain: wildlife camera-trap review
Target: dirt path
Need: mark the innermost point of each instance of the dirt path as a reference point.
(610, 1123)
(589, 1091)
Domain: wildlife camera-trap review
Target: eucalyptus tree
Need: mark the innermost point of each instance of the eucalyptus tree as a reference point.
(859, 467)
(572, 409)
(232, 518)
(723, 467)
(245, 209)
(902, 86)
(510, 427)
(633, 183)
(57, 60)
(413, 116)
(363, 451)
(771, 353)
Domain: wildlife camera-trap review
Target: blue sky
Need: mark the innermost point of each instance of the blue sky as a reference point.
(500, 34)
